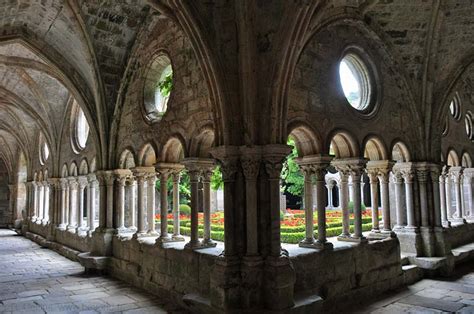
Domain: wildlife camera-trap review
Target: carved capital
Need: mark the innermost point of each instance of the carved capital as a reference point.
(82, 182)
(251, 167)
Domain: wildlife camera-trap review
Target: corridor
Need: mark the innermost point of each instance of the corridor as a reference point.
(38, 280)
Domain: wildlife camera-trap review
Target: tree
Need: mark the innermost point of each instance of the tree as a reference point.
(293, 180)
(216, 179)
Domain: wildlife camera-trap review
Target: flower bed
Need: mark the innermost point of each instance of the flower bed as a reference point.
(292, 226)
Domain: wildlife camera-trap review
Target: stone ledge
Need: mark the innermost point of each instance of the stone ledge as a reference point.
(55, 246)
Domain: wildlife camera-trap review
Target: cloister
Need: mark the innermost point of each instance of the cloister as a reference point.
(120, 121)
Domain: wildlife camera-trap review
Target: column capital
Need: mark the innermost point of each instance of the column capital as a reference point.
(422, 171)
(82, 181)
(350, 166)
(273, 156)
(73, 184)
(316, 165)
(91, 177)
(381, 168)
(250, 160)
(122, 175)
(63, 183)
(198, 164)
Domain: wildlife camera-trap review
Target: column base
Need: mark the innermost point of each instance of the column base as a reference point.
(279, 281)
(307, 242)
(208, 243)
(197, 245)
(446, 224)
(120, 230)
(252, 280)
(137, 235)
(61, 227)
(411, 240)
(102, 241)
(458, 221)
(343, 237)
(317, 245)
(353, 238)
(151, 234)
(71, 229)
(225, 283)
(177, 238)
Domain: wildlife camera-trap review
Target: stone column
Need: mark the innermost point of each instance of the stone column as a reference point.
(63, 188)
(141, 206)
(308, 205)
(443, 197)
(408, 176)
(73, 186)
(356, 171)
(448, 196)
(91, 210)
(344, 201)
(456, 173)
(374, 199)
(35, 201)
(132, 203)
(176, 221)
(46, 202)
(164, 237)
(383, 175)
(150, 199)
(121, 176)
(468, 175)
(401, 214)
(319, 171)
(206, 183)
(422, 177)
(435, 182)
(39, 210)
(330, 186)
(110, 181)
(82, 182)
(194, 175)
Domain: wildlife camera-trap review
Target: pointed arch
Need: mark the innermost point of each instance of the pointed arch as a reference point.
(73, 169)
(83, 167)
(127, 159)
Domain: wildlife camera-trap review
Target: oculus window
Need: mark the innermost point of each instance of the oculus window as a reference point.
(79, 128)
(355, 81)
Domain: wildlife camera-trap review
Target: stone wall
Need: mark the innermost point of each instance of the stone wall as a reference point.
(6, 213)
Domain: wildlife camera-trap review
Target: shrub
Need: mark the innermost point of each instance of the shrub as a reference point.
(282, 215)
(350, 206)
(184, 209)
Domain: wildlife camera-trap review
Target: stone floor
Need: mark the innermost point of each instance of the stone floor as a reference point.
(439, 295)
(38, 280)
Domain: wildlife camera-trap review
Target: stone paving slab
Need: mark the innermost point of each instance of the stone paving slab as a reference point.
(38, 280)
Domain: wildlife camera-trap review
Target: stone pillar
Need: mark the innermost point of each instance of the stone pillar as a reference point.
(456, 173)
(206, 184)
(46, 202)
(141, 206)
(132, 203)
(39, 209)
(35, 200)
(422, 177)
(63, 188)
(109, 177)
(374, 199)
(330, 186)
(319, 171)
(383, 175)
(151, 182)
(121, 176)
(279, 275)
(401, 214)
(344, 201)
(176, 221)
(435, 183)
(408, 176)
(73, 186)
(448, 196)
(356, 170)
(82, 182)
(194, 175)
(91, 210)
(308, 205)
(443, 198)
(468, 175)
(164, 237)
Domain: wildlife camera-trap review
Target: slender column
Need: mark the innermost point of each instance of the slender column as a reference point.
(356, 174)
(35, 200)
(408, 179)
(63, 188)
(164, 237)
(468, 174)
(443, 197)
(87, 205)
(206, 184)
(141, 206)
(82, 182)
(91, 199)
(132, 203)
(436, 184)
(448, 196)
(308, 205)
(109, 208)
(176, 223)
(73, 185)
(40, 202)
(251, 166)
(330, 186)
(151, 182)
(401, 214)
(383, 175)
(194, 175)
(374, 199)
(46, 204)
(121, 179)
(456, 173)
(344, 201)
(319, 172)
(422, 177)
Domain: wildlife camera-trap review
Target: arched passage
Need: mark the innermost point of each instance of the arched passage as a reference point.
(6, 213)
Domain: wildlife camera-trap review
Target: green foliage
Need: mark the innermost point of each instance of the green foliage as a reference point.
(216, 179)
(282, 215)
(184, 209)
(184, 188)
(166, 84)
(350, 206)
(293, 180)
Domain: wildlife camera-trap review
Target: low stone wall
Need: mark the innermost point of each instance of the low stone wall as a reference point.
(73, 240)
(460, 234)
(164, 271)
(40, 229)
(349, 272)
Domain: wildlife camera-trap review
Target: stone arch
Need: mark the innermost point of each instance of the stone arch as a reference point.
(64, 171)
(466, 160)
(73, 169)
(127, 159)
(93, 166)
(45, 175)
(147, 156)
(173, 150)
(452, 158)
(306, 140)
(83, 167)
(374, 149)
(400, 152)
(202, 143)
(343, 145)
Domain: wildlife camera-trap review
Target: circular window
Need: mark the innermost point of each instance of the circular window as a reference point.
(43, 150)
(355, 81)
(468, 124)
(79, 128)
(455, 107)
(158, 87)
